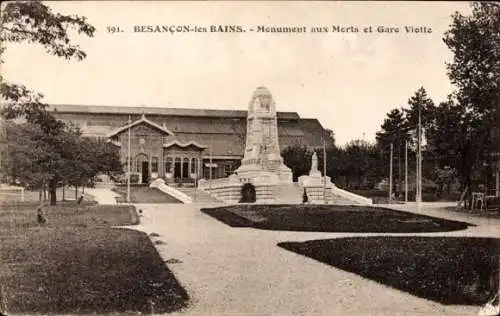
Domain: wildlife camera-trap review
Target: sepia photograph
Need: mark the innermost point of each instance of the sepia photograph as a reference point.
(249, 158)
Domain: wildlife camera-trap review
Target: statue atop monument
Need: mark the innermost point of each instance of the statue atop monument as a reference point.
(262, 151)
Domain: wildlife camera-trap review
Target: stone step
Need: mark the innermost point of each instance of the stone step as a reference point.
(201, 196)
(289, 193)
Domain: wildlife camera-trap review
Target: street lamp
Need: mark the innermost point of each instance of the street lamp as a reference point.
(128, 160)
(418, 193)
(324, 169)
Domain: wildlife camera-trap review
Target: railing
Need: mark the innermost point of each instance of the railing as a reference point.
(160, 185)
(350, 196)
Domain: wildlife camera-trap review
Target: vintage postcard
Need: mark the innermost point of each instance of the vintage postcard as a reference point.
(249, 158)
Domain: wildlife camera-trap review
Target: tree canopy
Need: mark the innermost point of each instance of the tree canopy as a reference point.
(44, 150)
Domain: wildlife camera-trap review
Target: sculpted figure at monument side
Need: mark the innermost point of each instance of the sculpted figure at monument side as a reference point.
(314, 172)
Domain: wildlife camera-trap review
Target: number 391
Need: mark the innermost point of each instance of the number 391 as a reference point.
(113, 29)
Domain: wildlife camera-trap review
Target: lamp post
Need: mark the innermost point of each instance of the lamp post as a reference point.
(419, 158)
(210, 167)
(324, 170)
(128, 160)
(390, 176)
(406, 171)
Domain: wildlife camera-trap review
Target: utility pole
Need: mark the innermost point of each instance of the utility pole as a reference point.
(406, 171)
(128, 160)
(210, 167)
(195, 181)
(390, 176)
(324, 168)
(419, 158)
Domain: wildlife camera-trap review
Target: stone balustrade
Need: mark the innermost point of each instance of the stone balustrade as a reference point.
(181, 196)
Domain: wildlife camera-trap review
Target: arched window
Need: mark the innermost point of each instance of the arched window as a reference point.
(177, 167)
(139, 159)
(154, 164)
(185, 168)
(168, 164)
(194, 165)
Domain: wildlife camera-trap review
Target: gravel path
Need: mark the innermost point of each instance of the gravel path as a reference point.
(241, 271)
(103, 195)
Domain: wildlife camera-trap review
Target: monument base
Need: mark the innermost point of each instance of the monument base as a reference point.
(273, 173)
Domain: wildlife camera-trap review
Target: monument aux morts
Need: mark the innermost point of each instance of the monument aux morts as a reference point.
(262, 166)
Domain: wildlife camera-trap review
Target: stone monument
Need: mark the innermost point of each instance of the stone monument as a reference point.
(262, 158)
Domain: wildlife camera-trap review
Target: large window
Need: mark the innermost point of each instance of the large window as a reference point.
(154, 164)
(185, 168)
(168, 164)
(194, 165)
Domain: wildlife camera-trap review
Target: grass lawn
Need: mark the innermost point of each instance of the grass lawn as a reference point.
(330, 218)
(448, 270)
(33, 196)
(143, 194)
(77, 263)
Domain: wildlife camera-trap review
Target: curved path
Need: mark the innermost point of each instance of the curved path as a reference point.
(241, 271)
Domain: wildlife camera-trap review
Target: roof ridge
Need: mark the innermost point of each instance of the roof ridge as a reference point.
(118, 109)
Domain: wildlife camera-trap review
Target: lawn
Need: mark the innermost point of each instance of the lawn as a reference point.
(77, 263)
(450, 270)
(33, 196)
(143, 194)
(330, 218)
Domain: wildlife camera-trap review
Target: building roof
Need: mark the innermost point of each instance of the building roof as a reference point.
(148, 110)
(222, 131)
(140, 121)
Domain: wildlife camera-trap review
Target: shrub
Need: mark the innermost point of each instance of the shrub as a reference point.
(248, 194)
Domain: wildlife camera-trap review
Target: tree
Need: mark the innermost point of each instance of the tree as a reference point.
(297, 158)
(396, 131)
(34, 22)
(37, 159)
(330, 137)
(419, 103)
(475, 71)
(26, 158)
(361, 165)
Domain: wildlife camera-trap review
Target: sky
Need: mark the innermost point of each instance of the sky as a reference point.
(347, 80)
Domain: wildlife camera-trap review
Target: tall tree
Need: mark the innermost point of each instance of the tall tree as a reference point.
(34, 22)
(396, 131)
(419, 103)
(475, 71)
(297, 158)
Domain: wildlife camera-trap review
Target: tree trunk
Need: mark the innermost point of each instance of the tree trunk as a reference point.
(63, 193)
(40, 195)
(76, 192)
(400, 176)
(53, 191)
